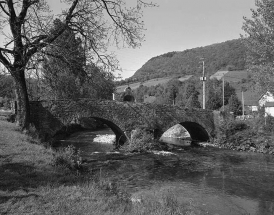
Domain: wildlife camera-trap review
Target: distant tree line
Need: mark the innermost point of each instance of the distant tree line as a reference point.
(189, 94)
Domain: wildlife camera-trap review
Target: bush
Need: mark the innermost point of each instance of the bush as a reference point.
(11, 118)
(269, 124)
(33, 135)
(262, 124)
(141, 141)
(69, 158)
(229, 126)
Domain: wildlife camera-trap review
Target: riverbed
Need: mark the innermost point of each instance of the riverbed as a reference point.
(216, 181)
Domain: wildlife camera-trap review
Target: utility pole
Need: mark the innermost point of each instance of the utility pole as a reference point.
(203, 79)
(243, 103)
(224, 93)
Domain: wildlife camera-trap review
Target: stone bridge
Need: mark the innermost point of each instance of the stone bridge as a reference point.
(122, 117)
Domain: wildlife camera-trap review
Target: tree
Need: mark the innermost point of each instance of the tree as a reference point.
(234, 105)
(215, 94)
(99, 84)
(190, 90)
(140, 92)
(214, 101)
(259, 41)
(193, 102)
(229, 91)
(99, 23)
(191, 96)
(63, 68)
(172, 89)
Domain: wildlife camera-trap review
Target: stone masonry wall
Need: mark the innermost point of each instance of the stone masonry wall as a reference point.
(50, 116)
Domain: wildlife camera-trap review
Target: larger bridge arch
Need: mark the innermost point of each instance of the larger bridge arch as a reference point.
(122, 117)
(196, 131)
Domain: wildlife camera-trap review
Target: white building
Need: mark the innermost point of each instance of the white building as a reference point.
(267, 101)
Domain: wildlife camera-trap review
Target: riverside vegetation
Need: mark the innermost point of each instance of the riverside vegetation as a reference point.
(253, 135)
(35, 179)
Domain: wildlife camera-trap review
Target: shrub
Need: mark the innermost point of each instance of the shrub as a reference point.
(229, 126)
(68, 157)
(33, 134)
(269, 124)
(141, 141)
(262, 124)
(11, 118)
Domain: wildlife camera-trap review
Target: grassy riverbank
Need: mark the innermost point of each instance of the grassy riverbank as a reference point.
(31, 184)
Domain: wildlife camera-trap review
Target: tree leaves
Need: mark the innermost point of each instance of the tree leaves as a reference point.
(259, 40)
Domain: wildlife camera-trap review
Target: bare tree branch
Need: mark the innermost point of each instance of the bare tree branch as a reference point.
(4, 61)
(6, 50)
(38, 45)
(25, 7)
(3, 8)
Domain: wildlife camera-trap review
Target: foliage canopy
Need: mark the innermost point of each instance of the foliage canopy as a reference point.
(259, 41)
(30, 25)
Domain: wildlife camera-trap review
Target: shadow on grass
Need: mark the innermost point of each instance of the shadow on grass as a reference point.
(16, 176)
(5, 157)
(6, 198)
(20, 177)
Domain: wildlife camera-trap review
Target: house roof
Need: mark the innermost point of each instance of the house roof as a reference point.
(251, 98)
(218, 75)
(236, 75)
(251, 103)
(230, 76)
(269, 104)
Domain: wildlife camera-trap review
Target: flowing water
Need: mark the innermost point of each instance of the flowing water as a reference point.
(217, 181)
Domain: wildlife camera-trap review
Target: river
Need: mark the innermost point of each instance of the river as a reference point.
(217, 181)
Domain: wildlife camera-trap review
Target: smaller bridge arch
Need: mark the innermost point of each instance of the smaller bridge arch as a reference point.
(120, 136)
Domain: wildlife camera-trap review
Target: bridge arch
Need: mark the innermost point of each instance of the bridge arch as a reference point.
(196, 131)
(120, 136)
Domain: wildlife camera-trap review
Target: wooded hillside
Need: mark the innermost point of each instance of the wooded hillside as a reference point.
(227, 55)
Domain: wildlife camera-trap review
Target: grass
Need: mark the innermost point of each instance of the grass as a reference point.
(31, 184)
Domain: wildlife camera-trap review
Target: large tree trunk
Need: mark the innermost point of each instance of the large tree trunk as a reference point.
(23, 111)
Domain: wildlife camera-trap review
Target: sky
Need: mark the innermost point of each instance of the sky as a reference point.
(177, 25)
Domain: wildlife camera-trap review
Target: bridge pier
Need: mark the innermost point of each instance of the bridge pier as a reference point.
(120, 140)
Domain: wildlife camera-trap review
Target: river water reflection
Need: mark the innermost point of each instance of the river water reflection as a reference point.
(217, 181)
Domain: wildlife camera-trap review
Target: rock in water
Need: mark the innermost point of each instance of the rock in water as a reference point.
(177, 131)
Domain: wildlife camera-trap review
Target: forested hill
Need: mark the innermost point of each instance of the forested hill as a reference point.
(227, 55)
